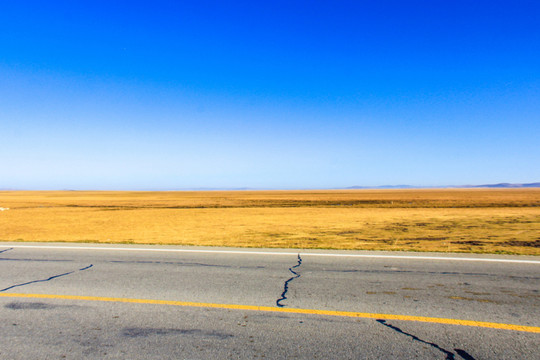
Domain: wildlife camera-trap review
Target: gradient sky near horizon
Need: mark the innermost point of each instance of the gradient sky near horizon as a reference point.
(284, 94)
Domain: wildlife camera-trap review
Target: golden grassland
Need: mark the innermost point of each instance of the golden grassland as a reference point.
(456, 220)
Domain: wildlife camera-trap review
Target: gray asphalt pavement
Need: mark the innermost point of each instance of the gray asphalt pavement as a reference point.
(409, 284)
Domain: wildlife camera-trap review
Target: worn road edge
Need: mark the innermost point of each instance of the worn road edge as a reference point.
(295, 253)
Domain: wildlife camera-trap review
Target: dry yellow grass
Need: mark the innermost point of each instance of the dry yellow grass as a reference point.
(459, 220)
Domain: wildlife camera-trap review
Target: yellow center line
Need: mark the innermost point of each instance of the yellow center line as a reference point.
(531, 329)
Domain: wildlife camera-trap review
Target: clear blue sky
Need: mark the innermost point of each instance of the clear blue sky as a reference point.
(279, 94)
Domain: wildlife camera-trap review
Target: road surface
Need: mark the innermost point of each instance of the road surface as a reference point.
(141, 302)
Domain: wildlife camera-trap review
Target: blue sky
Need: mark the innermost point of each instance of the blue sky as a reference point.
(296, 94)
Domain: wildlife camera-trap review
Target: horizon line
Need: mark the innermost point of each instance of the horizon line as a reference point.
(354, 187)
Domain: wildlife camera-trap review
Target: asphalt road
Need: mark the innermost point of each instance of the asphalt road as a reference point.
(96, 301)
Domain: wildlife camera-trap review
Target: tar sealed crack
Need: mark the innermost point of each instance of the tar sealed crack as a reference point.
(449, 355)
(3, 251)
(286, 285)
(45, 280)
(431, 273)
(34, 260)
(146, 332)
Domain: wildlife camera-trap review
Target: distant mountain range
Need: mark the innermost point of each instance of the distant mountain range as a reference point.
(500, 185)
(507, 185)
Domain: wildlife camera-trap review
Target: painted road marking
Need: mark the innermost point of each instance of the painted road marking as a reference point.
(247, 252)
(483, 324)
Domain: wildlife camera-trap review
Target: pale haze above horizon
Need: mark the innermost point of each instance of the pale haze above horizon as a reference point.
(279, 95)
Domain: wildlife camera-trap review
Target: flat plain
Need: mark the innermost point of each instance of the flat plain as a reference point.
(446, 220)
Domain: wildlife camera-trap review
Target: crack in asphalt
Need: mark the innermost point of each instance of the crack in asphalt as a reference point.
(26, 259)
(449, 355)
(464, 354)
(45, 280)
(168, 263)
(431, 273)
(181, 263)
(286, 285)
(38, 260)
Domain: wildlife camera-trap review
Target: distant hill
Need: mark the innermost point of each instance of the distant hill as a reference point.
(508, 185)
(500, 185)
